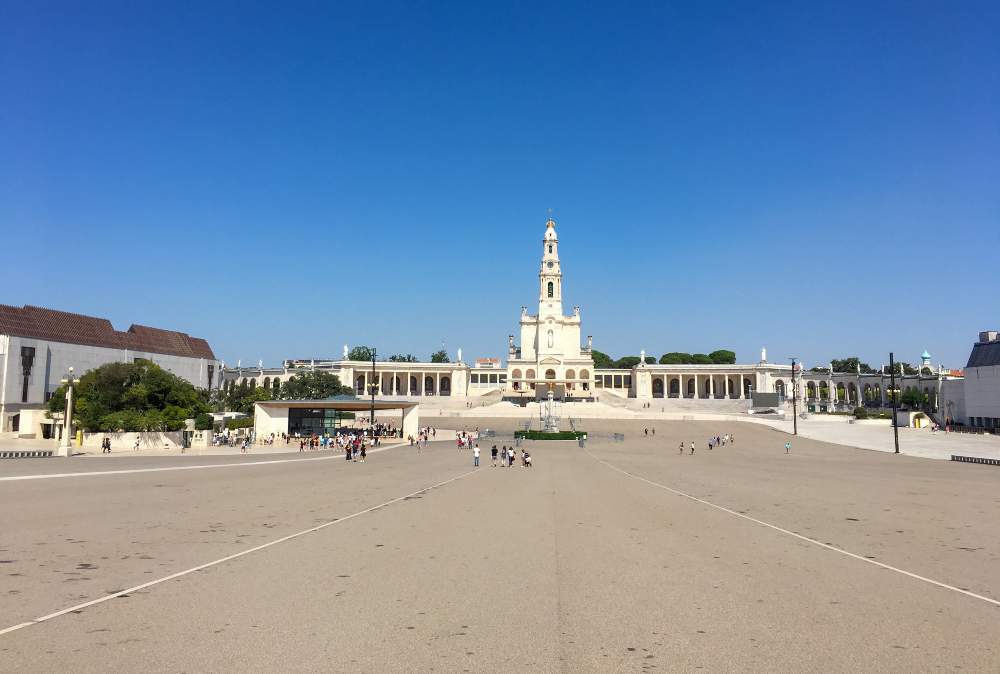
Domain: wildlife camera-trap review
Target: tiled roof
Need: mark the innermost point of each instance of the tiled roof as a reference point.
(984, 354)
(62, 326)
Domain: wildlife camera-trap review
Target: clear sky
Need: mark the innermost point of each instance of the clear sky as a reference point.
(282, 180)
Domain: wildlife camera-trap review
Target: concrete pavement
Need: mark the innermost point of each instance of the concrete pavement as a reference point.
(586, 562)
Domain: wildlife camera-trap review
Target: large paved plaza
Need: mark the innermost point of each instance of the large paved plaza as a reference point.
(623, 556)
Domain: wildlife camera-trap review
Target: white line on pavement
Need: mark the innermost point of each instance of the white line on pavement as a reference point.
(200, 567)
(92, 473)
(827, 546)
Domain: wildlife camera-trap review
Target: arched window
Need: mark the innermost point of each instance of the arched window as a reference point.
(277, 386)
(360, 385)
(551, 289)
(551, 339)
(414, 389)
(267, 382)
(429, 385)
(445, 386)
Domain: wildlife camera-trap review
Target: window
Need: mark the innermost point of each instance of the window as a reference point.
(551, 290)
(550, 247)
(475, 379)
(28, 360)
(493, 379)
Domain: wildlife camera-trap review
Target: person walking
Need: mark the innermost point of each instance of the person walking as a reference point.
(475, 455)
(364, 453)
(692, 447)
(682, 448)
(510, 457)
(135, 447)
(788, 447)
(493, 455)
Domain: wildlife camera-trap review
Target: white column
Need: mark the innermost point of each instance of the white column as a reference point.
(695, 386)
(725, 387)
(437, 384)
(711, 386)
(742, 393)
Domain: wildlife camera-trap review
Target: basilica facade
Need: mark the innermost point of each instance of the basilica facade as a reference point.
(550, 355)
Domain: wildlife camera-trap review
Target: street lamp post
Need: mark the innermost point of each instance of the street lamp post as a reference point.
(66, 446)
(371, 418)
(795, 394)
(895, 402)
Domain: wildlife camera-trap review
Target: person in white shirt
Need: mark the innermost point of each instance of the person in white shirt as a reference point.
(475, 456)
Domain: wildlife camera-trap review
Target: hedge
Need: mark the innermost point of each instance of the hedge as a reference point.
(542, 435)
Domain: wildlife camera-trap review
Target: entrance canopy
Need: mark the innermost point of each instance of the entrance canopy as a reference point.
(319, 416)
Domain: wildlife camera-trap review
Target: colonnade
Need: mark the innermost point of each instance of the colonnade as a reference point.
(697, 386)
(404, 382)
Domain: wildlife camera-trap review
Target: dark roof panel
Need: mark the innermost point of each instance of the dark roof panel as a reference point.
(984, 354)
(62, 326)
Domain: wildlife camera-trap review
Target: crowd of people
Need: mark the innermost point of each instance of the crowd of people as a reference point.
(423, 435)
(713, 442)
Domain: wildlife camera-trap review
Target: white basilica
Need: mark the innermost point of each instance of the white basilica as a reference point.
(551, 357)
(550, 354)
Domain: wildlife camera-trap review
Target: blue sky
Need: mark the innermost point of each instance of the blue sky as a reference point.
(822, 181)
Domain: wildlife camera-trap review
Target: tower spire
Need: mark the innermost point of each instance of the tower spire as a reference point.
(550, 274)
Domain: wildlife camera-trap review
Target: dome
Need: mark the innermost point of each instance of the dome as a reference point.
(926, 356)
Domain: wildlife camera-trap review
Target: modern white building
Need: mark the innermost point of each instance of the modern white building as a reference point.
(980, 394)
(38, 346)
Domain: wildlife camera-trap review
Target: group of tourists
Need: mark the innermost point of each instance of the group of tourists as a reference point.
(507, 456)
(713, 442)
(423, 436)
(465, 439)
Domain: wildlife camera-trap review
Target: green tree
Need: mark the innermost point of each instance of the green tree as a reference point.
(851, 365)
(131, 396)
(700, 359)
(440, 357)
(626, 362)
(242, 399)
(601, 359)
(403, 358)
(203, 422)
(360, 353)
(907, 368)
(913, 398)
(313, 385)
(676, 358)
(723, 357)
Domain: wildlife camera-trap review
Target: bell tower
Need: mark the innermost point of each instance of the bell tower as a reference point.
(550, 275)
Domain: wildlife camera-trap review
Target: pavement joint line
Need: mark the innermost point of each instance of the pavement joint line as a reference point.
(775, 527)
(92, 473)
(228, 558)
